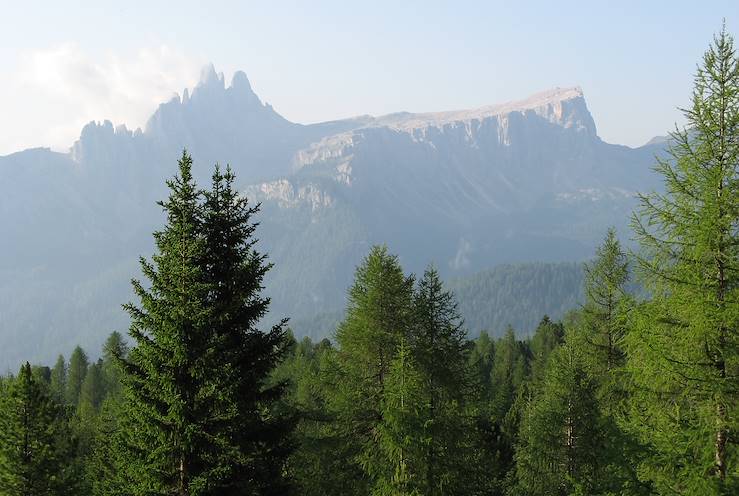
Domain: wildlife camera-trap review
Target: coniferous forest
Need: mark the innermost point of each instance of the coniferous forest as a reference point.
(632, 393)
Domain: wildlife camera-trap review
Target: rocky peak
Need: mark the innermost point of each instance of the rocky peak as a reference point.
(562, 106)
(211, 101)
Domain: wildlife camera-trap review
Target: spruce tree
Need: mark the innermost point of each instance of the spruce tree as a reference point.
(251, 441)
(165, 404)
(683, 344)
(36, 450)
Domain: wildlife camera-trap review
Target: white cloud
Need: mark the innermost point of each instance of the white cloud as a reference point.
(461, 260)
(52, 93)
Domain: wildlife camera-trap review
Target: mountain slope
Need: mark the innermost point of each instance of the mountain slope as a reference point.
(466, 190)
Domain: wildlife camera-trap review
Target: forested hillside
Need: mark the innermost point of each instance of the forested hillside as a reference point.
(508, 295)
(518, 296)
(626, 394)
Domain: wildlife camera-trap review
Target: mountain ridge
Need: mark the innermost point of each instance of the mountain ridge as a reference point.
(534, 183)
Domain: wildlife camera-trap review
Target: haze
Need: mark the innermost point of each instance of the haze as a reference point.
(119, 60)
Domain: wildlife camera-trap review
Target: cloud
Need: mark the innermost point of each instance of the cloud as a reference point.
(52, 93)
(461, 260)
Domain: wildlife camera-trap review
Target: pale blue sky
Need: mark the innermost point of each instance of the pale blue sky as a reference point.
(67, 62)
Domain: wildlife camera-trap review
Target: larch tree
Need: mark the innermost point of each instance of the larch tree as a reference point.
(562, 443)
(378, 317)
(439, 346)
(402, 467)
(682, 346)
(603, 312)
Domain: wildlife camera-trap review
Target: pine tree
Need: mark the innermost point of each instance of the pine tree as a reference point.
(682, 348)
(165, 404)
(252, 439)
(76, 372)
(36, 452)
(379, 316)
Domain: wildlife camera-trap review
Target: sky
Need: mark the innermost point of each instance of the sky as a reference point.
(65, 63)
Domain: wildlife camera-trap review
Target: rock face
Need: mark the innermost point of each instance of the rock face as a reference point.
(466, 190)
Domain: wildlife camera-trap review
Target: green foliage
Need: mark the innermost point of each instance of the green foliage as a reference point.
(197, 415)
(509, 373)
(606, 299)
(250, 442)
(59, 379)
(625, 396)
(683, 345)
(92, 392)
(76, 373)
(36, 450)
(562, 445)
(518, 295)
(379, 316)
(547, 337)
(398, 469)
(115, 346)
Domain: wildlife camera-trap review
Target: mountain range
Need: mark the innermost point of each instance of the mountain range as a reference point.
(465, 190)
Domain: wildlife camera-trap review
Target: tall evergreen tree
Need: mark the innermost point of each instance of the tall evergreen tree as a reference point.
(36, 454)
(683, 348)
(379, 316)
(440, 352)
(76, 373)
(602, 314)
(252, 438)
(510, 370)
(481, 364)
(165, 404)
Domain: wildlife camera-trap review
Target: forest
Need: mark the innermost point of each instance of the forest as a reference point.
(631, 393)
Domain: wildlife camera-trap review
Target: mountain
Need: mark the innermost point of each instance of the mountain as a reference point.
(466, 190)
